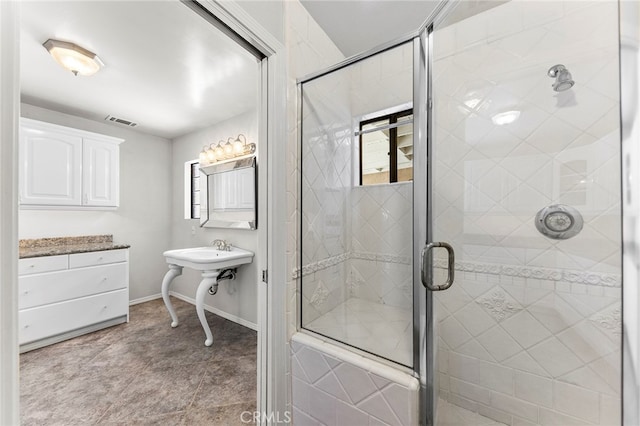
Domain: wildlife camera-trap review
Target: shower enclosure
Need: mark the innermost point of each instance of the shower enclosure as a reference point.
(493, 133)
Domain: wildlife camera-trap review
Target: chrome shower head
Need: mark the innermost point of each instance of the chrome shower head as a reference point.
(564, 81)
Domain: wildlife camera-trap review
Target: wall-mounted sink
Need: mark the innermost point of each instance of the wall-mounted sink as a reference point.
(211, 262)
(208, 258)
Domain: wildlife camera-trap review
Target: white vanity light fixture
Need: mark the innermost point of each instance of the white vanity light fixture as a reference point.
(74, 58)
(233, 148)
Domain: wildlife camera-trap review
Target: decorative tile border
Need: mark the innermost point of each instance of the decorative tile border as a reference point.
(380, 257)
(334, 260)
(571, 276)
(567, 275)
(320, 265)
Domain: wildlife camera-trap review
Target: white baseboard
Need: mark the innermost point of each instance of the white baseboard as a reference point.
(145, 299)
(216, 311)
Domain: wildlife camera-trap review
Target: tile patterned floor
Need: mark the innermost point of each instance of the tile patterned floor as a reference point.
(380, 329)
(143, 372)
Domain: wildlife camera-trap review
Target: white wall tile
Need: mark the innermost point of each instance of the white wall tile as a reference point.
(534, 389)
(610, 410)
(525, 329)
(514, 406)
(576, 401)
(453, 333)
(377, 407)
(499, 344)
(347, 414)
(495, 377)
(554, 418)
(470, 391)
(554, 357)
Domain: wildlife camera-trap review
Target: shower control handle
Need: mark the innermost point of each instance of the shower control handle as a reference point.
(427, 279)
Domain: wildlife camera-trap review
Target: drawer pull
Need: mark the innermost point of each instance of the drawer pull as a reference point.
(32, 266)
(99, 258)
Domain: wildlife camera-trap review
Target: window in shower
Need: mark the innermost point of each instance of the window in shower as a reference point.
(356, 242)
(386, 148)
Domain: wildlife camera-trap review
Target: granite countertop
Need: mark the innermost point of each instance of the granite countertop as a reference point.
(40, 247)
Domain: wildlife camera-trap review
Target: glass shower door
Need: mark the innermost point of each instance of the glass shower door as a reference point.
(525, 137)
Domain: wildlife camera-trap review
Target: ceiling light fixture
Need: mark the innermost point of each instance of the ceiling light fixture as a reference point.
(74, 58)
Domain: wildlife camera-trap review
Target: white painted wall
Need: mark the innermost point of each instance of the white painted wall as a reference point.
(144, 215)
(270, 14)
(237, 299)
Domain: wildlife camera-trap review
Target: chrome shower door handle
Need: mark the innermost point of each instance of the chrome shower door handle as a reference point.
(427, 279)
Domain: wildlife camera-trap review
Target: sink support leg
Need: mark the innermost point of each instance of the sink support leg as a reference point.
(174, 271)
(209, 278)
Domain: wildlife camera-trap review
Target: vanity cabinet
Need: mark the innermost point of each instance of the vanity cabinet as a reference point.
(65, 167)
(68, 295)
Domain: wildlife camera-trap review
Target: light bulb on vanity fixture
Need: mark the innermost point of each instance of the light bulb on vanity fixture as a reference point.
(241, 147)
(219, 151)
(203, 157)
(74, 58)
(228, 148)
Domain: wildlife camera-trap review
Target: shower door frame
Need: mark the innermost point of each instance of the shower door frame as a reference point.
(424, 342)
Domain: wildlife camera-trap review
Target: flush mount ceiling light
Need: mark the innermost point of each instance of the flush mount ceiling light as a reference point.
(74, 58)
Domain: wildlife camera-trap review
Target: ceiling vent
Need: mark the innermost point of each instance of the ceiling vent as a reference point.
(122, 121)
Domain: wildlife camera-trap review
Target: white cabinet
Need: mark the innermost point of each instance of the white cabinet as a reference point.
(100, 180)
(68, 295)
(61, 166)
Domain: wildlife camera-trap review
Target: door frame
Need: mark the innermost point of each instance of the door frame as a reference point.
(272, 355)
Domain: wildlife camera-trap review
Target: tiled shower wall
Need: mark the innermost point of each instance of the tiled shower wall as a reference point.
(381, 244)
(530, 332)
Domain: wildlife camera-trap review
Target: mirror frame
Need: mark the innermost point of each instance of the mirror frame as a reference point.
(222, 167)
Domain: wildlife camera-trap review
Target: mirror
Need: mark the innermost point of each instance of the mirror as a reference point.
(230, 197)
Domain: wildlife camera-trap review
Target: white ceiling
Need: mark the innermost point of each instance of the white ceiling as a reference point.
(356, 26)
(167, 69)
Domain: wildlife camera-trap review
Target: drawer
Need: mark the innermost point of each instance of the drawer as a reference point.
(36, 265)
(95, 258)
(36, 290)
(46, 321)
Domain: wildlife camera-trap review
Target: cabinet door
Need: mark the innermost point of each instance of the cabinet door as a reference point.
(100, 182)
(51, 167)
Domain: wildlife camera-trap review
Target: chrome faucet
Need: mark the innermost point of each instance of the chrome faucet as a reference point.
(221, 245)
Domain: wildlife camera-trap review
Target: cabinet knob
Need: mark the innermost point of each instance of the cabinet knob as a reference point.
(32, 266)
(100, 258)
